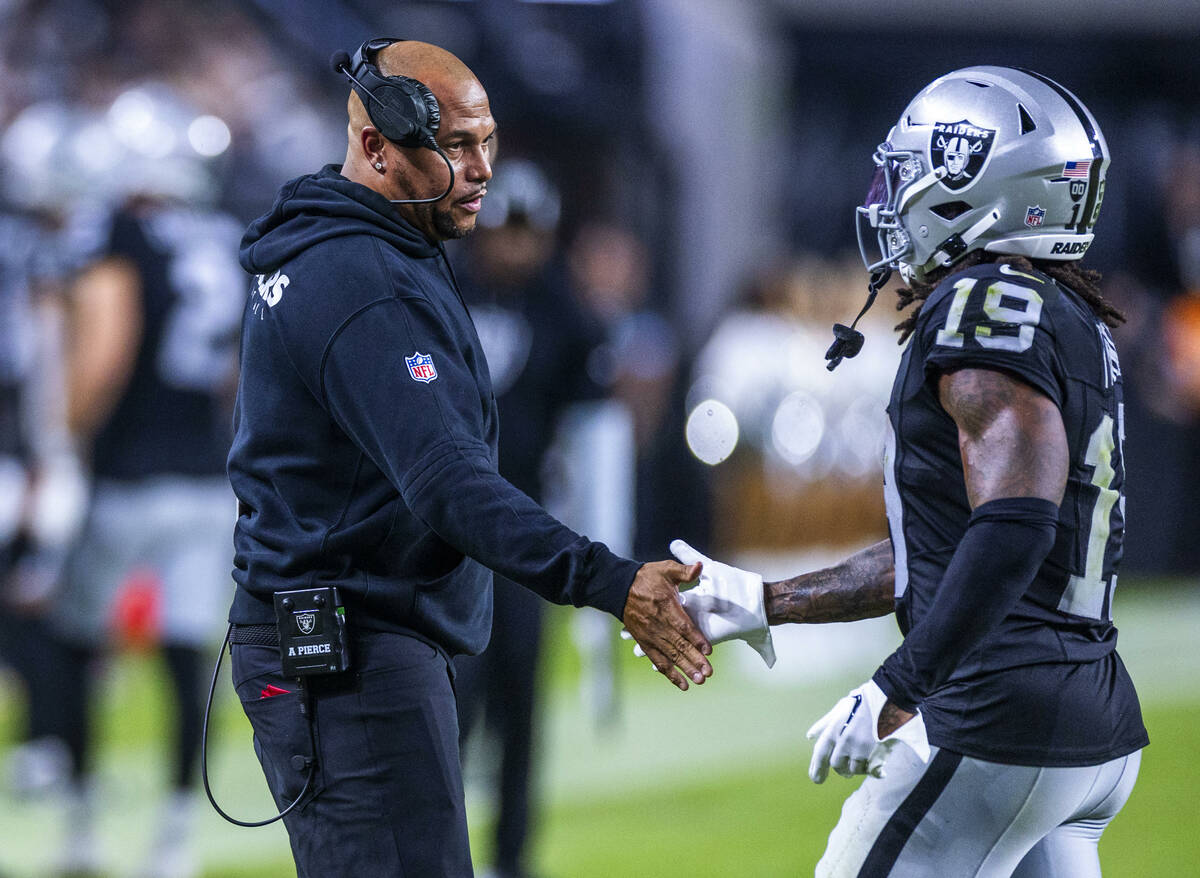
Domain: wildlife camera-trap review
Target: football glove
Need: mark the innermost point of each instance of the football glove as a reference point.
(848, 741)
(727, 604)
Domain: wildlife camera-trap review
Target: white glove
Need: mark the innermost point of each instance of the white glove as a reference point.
(848, 740)
(726, 605)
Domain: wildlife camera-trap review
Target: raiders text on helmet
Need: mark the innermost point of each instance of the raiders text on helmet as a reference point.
(995, 158)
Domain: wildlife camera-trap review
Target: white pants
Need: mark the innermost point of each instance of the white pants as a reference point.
(960, 817)
(179, 528)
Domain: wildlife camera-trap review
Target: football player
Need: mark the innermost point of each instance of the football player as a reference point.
(1004, 733)
(41, 493)
(151, 364)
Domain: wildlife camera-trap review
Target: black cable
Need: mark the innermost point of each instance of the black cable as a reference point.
(305, 708)
(446, 159)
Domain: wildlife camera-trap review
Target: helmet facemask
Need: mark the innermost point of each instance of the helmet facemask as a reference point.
(899, 175)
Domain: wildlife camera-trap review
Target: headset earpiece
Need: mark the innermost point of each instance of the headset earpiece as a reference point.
(433, 113)
(403, 109)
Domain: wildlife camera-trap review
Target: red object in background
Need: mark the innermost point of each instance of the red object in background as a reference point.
(137, 611)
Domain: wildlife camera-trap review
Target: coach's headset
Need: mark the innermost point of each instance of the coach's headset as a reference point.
(403, 109)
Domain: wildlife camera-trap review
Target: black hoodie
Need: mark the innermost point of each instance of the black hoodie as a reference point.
(365, 442)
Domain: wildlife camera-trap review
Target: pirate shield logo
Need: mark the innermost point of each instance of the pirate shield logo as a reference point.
(306, 622)
(962, 148)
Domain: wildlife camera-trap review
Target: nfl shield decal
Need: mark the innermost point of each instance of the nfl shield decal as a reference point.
(1035, 216)
(962, 148)
(420, 367)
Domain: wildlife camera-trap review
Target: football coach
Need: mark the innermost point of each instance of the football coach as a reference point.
(364, 462)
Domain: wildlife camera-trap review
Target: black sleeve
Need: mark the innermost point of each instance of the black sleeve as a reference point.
(1006, 542)
(427, 436)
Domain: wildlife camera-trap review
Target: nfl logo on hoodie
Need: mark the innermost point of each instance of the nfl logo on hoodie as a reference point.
(420, 367)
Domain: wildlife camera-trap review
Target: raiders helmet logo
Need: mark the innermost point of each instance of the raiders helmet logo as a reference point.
(306, 622)
(962, 148)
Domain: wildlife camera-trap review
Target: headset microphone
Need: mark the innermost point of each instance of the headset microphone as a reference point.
(402, 109)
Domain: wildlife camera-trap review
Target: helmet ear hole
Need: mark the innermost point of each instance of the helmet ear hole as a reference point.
(951, 209)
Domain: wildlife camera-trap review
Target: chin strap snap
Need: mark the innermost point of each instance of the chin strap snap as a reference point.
(956, 245)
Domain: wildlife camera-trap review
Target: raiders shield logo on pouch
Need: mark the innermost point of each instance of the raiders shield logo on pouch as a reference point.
(306, 622)
(962, 148)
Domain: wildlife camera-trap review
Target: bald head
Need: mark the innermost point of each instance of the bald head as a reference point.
(465, 138)
(446, 76)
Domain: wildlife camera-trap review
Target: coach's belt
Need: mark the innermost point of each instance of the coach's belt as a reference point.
(256, 635)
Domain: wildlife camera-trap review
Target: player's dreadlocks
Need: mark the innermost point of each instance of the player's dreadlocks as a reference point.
(1085, 282)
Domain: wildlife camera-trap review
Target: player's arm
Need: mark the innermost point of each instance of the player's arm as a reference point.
(860, 587)
(104, 332)
(1011, 436)
(1015, 459)
(729, 603)
(1014, 455)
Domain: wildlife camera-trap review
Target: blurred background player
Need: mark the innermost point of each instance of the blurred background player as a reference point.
(642, 361)
(150, 353)
(539, 346)
(41, 491)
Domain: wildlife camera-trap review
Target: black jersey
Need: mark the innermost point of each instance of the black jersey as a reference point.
(538, 345)
(21, 238)
(172, 416)
(1046, 687)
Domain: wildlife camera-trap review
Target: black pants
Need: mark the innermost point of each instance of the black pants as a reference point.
(43, 664)
(502, 682)
(388, 795)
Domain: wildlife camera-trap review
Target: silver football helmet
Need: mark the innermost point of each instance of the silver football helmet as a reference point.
(997, 158)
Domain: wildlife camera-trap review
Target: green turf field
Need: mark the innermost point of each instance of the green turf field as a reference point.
(711, 782)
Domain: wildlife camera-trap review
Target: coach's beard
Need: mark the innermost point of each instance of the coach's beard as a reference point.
(441, 220)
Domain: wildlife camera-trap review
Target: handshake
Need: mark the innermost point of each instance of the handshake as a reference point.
(728, 603)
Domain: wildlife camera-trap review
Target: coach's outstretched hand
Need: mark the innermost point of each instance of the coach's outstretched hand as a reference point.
(848, 736)
(655, 618)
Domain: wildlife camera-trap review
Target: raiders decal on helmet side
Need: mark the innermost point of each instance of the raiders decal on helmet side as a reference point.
(963, 149)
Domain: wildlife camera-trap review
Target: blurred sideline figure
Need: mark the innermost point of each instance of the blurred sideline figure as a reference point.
(642, 361)
(538, 345)
(1004, 734)
(1179, 399)
(41, 490)
(151, 342)
(639, 362)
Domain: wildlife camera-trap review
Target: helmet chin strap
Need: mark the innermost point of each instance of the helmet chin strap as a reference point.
(848, 341)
